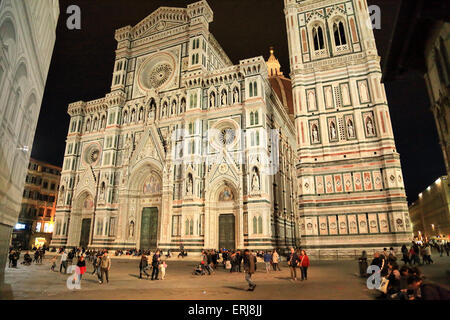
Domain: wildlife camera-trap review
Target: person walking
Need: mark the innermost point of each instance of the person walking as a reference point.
(105, 266)
(276, 260)
(81, 264)
(405, 254)
(143, 266)
(249, 269)
(155, 264)
(267, 260)
(293, 263)
(162, 270)
(63, 262)
(304, 264)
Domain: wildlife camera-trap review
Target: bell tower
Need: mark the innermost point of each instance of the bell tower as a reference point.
(351, 191)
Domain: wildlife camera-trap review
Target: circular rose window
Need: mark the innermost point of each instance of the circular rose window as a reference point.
(159, 75)
(92, 154)
(226, 136)
(156, 72)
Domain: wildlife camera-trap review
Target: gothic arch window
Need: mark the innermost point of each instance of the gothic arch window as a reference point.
(255, 225)
(252, 118)
(340, 37)
(318, 37)
(253, 89)
(260, 225)
(256, 118)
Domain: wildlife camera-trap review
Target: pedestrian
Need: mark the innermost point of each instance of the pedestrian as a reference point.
(304, 265)
(276, 260)
(293, 263)
(249, 269)
(53, 261)
(363, 264)
(162, 269)
(81, 264)
(143, 266)
(405, 254)
(267, 260)
(63, 262)
(105, 266)
(427, 291)
(155, 264)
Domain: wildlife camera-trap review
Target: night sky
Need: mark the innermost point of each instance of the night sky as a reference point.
(82, 64)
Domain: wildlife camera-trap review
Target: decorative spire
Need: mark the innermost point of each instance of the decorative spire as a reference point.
(273, 65)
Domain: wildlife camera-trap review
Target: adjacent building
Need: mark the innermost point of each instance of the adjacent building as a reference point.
(430, 213)
(437, 78)
(36, 219)
(351, 191)
(27, 37)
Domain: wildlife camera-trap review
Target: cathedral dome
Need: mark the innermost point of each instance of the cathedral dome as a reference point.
(280, 84)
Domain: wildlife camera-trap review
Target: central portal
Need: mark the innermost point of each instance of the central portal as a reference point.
(227, 232)
(149, 228)
(85, 232)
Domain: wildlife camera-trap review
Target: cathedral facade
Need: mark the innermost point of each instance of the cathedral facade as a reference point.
(187, 148)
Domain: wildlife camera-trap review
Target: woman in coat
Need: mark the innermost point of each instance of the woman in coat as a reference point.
(304, 264)
(81, 264)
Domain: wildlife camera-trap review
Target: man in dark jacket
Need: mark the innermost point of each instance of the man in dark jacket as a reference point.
(427, 291)
(143, 265)
(155, 265)
(249, 268)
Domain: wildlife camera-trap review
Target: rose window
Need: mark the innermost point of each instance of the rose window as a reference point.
(160, 74)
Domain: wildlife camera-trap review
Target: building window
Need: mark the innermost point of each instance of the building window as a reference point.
(319, 42)
(176, 226)
(339, 33)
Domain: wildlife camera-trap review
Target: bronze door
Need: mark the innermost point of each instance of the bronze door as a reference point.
(85, 232)
(149, 228)
(227, 232)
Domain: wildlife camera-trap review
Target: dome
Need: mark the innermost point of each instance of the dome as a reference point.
(280, 84)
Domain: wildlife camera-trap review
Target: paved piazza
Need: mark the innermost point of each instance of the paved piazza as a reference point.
(326, 280)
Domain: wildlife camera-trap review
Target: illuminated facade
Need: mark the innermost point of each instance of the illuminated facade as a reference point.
(187, 148)
(36, 218)
(351, 189)
(430, 213)
(27, 37)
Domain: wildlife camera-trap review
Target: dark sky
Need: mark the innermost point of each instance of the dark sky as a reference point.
(82, 64)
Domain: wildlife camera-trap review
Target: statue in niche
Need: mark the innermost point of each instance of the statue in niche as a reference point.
(315, 134)
(212, 100)
(235, 95)
(174, 107)
(125, 117)
(370, 128)
(95, 124)
(103, 123)
(255, 181)
(141, 114)
(224, 97)
(133, 116)
(190, 183)
(333, 131)
(102, 191)
(88, 125)
(350, 129)
(164, 109)
(183, 105)
(131, 230)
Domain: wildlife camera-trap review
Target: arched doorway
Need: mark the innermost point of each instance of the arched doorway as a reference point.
(81, 220)
(223, 217)
(144, 203)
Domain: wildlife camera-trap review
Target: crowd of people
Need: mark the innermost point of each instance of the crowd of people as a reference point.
(14, 257)
(403, 282)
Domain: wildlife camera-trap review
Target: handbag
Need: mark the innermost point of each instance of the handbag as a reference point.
(383, 285)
